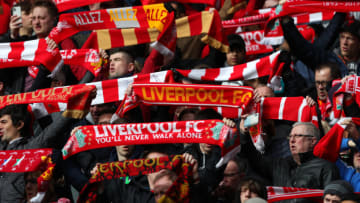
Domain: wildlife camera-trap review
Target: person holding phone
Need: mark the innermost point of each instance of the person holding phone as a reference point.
(20, 22)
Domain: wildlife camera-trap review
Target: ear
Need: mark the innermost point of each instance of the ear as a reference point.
(131, 67)
(1, 86)
(20, 125)
(313, 141)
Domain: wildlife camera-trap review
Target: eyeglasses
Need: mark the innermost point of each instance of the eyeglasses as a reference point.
(322, 83)
(231, 174)
(298, 136)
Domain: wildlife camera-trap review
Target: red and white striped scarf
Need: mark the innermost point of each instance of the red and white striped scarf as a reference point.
(33, 52)
(63, 5)
(276, 193)
(200, 23)
(150, 16)
(208, 2)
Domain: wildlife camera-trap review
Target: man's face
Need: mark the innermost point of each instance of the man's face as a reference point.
(124, 150)
(119, 65)
(96, 110)
(349, 45)
(356, 160)
(235, 57)
(247, 194)
(205, 148)
(104, 118)
(331, 198)
(161, 186)
(232, 176)
(8, 131)
(300, 140)
(42, 21)
(30, 187)
(322, 78)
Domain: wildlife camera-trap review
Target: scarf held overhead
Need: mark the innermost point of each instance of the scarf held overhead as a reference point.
(64, 5)
(33, 52)
(98, 136)
(75, 96)
(149, 16)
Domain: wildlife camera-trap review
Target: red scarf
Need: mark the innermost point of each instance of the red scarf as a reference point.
(276, 193)
(151, 16)
(33, 52)
(208, 2)
(332, 140)
(87, 58)
(137, 167)
(63, 5)
(200, 23)
(228, 98)
(99, 136)
(75, 96)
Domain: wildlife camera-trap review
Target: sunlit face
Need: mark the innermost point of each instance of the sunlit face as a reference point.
(322, 78)
(349, 45)
(42, 21)
(8, 131)
(300, 141)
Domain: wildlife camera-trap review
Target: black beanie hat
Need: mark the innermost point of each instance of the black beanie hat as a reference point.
(339, 188)
(352, 27)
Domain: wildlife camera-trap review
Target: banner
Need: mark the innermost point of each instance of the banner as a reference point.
(149, 16)
(32, 52)
(276, 193)
(23, 160)
(64, 5)
(99, 136)
(75, 96)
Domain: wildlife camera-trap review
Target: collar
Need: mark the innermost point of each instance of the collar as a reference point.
(306, 156)
(14, 140)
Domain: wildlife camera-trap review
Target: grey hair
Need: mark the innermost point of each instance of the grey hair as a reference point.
(311, 129)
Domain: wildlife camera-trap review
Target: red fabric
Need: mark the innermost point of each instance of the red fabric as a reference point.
(208, 2)
(77, 70)
(99, 136)
(5, 16)
(276, 193)
(153, 62)
(64, 5)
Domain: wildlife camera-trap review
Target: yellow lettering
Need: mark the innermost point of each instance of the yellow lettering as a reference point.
(118, 167)
(138, 163)
(103, 168)
(149, 162)
(217, 95)
(179, 92)
(198, 95)
(222, 99)
(189, 92)
(67, 90)
(159, 95)
(113, 16)
(9, 98)
(17, 97)
(170, 93)
(158, 163)
(146, 97)
(237, 95)
(246, 97)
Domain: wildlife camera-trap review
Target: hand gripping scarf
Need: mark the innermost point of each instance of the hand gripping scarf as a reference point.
(76, 97)
(137, 167)
(150, 16)
(99, 136)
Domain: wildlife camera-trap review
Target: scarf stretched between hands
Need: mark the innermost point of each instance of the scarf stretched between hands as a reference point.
(332, 140)
(75, 96)
(135, 167)
(276, 193)
(228, 100)
(99, 136)
(149, 16)
(33, 52)
(208, 2)
(299, 6)
(64, 5)
(196, 24)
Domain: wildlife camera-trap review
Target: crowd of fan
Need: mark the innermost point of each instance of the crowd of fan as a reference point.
(287, 161)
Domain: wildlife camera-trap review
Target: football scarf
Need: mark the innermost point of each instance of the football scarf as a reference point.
(149, 16)
(137, 167)
(99, 136)
(26, 53)
(276, 193)
(75, 96)
(208, 2)
(200, 23)
(332, 140)
(229, 101)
